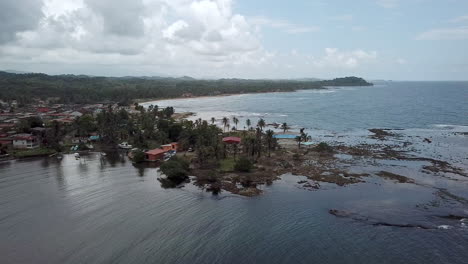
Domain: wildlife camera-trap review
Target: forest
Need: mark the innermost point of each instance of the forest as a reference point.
(88, 89)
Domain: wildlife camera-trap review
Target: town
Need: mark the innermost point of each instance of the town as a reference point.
(209, 150)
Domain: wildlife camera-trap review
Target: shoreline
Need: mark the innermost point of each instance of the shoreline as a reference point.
(145, 101)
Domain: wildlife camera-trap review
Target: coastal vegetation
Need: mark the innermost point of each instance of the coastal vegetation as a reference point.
(87, 89)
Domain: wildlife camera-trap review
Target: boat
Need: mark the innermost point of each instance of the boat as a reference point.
(125, 145)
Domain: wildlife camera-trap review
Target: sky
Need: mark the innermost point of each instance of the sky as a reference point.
(373, 39)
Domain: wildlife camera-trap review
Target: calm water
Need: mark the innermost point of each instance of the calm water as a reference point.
(387, 105)
(97, 210)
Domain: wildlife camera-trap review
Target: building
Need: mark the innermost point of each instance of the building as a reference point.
(5, 140)
(232, 140)
(159, 153)
(155, 154)
(25, 141)
(169, 147)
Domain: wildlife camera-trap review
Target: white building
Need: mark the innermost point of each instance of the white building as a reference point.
(25, 141)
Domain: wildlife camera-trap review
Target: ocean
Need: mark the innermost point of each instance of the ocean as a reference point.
(396, 105)
(107, 210)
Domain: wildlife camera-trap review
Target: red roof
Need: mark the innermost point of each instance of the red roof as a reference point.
(156, 152)
(24, 137)
(232, 140)
(43, 109)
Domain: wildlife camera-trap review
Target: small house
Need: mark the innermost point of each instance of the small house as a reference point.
(155, 154)
(232, 140)
(169, 147)
(25, 141)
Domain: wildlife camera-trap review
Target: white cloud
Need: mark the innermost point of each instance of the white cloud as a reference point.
(165, 33)
(334, 58)
(283, 25)
(147, 37)
(454, 33)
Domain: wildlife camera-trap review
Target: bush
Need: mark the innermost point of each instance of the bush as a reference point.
(323, 147)
(243, 165)
(138, 156)
(176, 170)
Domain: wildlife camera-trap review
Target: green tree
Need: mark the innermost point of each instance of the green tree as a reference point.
(236, 121)
(248, 123)
(261, 124)
(270, 140)
(225, 122)
(285, 127)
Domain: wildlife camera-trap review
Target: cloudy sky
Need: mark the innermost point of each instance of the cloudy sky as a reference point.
(375, 39)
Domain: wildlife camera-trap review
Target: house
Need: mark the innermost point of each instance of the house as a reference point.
(155, 154)
(158, 154)
(76, 114)
(232, 140)
(169, 147)
(5, 140)
(25, 141)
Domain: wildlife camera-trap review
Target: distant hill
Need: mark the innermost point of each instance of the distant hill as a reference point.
(89, 89)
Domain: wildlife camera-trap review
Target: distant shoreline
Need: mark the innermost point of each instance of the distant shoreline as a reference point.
(145, 101)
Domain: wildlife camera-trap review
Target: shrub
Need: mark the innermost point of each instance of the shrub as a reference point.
(243, 165)
(138, 156)
(323, 147)
(176, 170)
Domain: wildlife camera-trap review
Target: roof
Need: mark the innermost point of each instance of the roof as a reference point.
(155, 152)
(43, 109)
(285, 136)
(232, 139)
(24, 137)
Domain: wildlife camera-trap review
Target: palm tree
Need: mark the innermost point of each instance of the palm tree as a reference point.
(248, 123)
(285, 127)
(235, 120)
(213, 120)
(270, 139)
(298, 140)
(261, 124)
(225, 122)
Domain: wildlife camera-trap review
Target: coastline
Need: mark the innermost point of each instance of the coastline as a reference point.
(145, 101)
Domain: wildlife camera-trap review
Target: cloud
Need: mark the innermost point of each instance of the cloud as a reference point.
(124, 17)
(454, 33)
(149, 32)
(388, 3)
(283, 25)
(334, 58)
(17, 16)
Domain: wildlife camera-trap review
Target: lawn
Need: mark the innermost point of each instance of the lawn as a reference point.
(33, 152)
(227, 165)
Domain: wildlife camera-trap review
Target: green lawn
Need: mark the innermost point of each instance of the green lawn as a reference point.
(33, 152)
(227, 165)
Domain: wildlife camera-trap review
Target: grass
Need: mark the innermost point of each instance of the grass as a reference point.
(227, 165)
(33, 152)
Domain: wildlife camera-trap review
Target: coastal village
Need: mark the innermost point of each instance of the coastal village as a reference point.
(212, 154)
